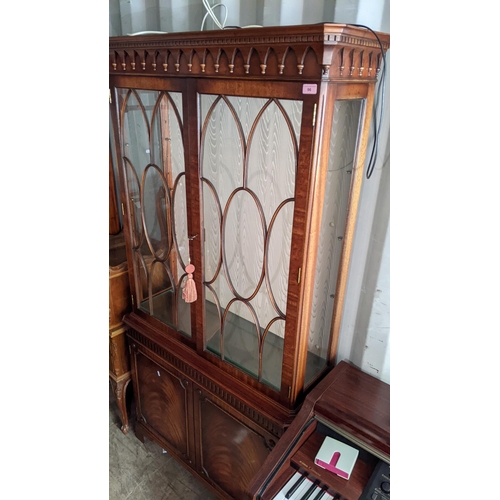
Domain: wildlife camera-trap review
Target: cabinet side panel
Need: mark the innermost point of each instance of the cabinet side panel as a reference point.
(337, 181)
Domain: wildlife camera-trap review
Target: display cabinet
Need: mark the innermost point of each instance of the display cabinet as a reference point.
(241, 159)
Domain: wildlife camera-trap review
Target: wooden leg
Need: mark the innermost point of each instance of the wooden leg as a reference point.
(120, 390)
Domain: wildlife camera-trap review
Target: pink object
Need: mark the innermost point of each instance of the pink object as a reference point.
(331, 466)
(310, 88)
(337, 457)
(189, 291)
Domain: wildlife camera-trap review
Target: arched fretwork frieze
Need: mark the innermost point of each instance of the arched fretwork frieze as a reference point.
(329, 52)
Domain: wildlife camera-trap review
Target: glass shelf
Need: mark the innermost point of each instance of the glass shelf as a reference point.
(164, 310)
(238, 346)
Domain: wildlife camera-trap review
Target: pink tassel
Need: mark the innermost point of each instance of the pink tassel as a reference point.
(189, 291)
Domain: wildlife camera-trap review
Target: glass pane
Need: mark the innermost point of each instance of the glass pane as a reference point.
(156, 211)
(345, 126)
(212, 217)
(243, 244)
(241, 337)
(249, 162)
(279, 240)
(222, 154)
(179, 208)
(153, 153)
(272, 354)
(114, 165)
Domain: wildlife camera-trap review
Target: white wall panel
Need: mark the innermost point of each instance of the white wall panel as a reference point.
(291, 12)
(376, 353)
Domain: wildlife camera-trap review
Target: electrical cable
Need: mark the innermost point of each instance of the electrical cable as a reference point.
(210, 12)
(148, 33)
(209, 8)
(242, 27)
(379, 97)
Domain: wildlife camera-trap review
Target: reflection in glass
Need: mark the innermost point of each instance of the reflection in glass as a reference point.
(345, 125)
(153, 154)
(249, 161)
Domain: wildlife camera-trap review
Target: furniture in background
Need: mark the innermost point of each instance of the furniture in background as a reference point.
(119, 304)
(240, 156)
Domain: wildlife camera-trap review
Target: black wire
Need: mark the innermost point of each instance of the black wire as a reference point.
(380, 96)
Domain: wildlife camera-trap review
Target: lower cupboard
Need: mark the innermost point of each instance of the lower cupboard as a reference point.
(209, 430)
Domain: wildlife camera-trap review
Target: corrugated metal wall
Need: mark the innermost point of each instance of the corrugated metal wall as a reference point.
(365, 331)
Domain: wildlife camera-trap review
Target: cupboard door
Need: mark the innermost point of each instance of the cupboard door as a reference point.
(231, 448)
(163, 404)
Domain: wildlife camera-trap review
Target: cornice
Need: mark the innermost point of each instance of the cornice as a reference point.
(323, 51)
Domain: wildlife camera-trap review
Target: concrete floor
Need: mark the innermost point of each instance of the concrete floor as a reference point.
(140, 471)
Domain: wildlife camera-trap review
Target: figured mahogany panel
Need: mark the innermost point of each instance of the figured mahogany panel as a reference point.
(231, 449)
(162, 403)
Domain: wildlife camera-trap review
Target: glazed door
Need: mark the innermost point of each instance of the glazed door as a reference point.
(152, 140)
(248, 155)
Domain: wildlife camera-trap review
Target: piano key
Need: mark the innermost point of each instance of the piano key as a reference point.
(321, 493)
(312, 489)
(289, 494)
(301, 490)
(281, 494)
(286, 488)
(308, 489)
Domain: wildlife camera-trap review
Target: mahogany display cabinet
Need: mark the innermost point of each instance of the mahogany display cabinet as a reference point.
(241, 157)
